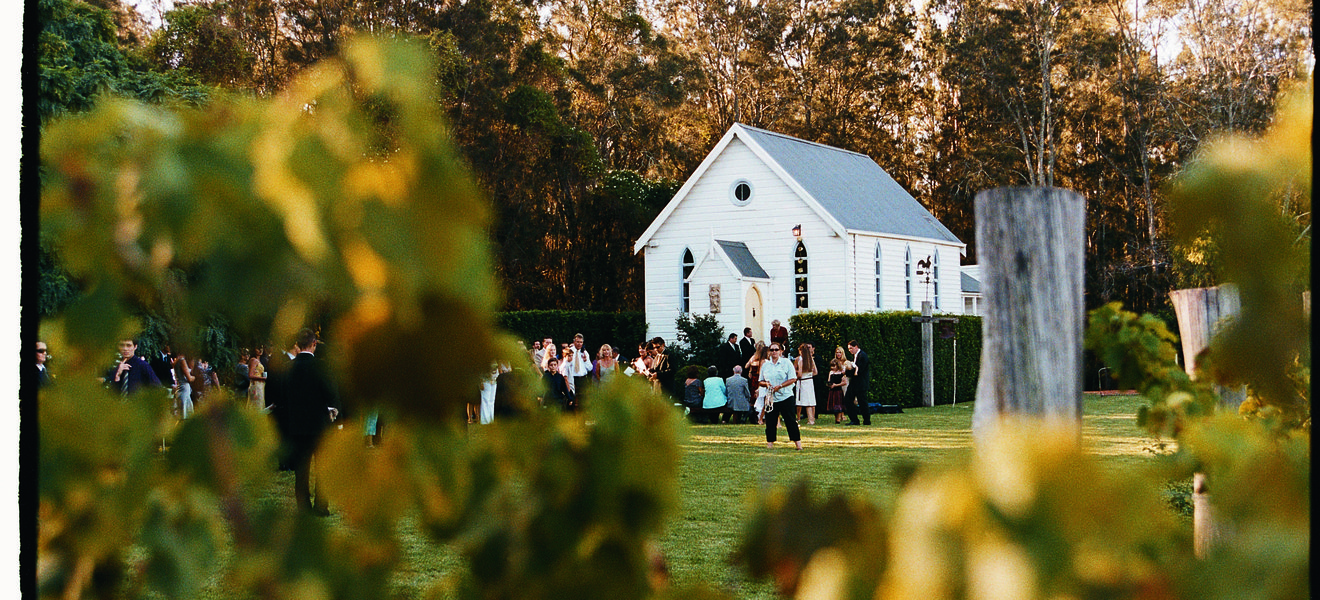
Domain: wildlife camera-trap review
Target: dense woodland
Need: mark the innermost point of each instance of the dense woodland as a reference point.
(580, 118)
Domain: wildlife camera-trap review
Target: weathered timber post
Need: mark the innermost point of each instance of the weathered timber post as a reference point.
(1030, 245)
(927, 354)
(928, 321)
(1201, 313)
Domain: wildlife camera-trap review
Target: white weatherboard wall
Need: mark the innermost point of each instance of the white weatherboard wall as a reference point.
(892, 290)
(764, 225)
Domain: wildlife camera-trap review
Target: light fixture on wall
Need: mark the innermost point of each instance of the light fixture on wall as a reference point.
(797, 231)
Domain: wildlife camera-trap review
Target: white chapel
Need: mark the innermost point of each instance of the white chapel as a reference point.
(770, 225)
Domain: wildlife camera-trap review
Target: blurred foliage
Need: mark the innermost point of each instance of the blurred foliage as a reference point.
(835, 544)
(1260, 481)
(1031, 515)
(1250, 199)
(1239, 199)
(55, 289)
(341, 205)
(1140, 354)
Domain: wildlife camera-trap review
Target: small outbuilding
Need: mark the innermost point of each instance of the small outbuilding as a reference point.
(770, 225)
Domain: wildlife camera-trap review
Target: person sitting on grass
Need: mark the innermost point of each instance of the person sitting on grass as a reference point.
(739, 397)
(693, 392)
(714, 402)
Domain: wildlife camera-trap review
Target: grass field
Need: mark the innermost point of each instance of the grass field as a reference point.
(723, 467)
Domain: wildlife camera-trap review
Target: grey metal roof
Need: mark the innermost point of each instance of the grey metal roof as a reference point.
(742, 259)
(970, 284)
(851, 187)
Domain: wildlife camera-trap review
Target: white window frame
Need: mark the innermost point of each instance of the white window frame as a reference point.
(879, 280)
(907, 274)
(805, 276)
(688, 263)
(935, 277)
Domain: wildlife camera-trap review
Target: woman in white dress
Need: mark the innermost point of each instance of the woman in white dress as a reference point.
(183, 375)
(486, 412)
(806, 385)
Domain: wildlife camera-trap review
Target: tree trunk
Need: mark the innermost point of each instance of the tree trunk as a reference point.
(1031, 253)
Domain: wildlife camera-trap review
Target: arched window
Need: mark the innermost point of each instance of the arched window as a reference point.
(907, 276)
(688, 264)
(878, 271)
(800, 276)
(935, 276)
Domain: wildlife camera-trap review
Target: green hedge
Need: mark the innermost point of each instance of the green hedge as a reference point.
(893, 342)
(623, 330)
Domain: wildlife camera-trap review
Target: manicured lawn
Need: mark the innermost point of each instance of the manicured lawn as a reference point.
(723, 467)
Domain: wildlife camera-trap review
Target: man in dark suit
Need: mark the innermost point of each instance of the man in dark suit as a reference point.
(859, 380)
(132, 373)
(276, 375)
(42, 372)
(311, 404)
(163, 365)
(661, 369)
(729, 356)
(747, 345)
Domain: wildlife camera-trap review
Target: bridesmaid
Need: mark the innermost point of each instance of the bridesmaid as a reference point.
(257, 374)
(183, 375)
(606, 364)
(806, 385)
(837, 382)
(753, 369)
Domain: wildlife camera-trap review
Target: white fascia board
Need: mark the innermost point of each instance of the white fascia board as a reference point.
(962, 247)
(683, 191)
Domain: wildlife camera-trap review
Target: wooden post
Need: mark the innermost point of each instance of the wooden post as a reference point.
(927, 355)
(1030, 245)
(1201, 313)
(928, 321)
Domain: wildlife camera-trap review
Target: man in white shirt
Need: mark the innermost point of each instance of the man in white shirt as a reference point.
(579, 367)
(779, 376)
(538, 355)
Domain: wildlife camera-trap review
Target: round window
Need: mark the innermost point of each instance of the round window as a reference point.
(740, 193)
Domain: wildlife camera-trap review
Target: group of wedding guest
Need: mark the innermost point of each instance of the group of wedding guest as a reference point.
(568, 369)
(714, 395)
(188, 380)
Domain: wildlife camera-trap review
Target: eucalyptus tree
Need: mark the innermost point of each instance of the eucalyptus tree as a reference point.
(625, 77)
(81, 60)
(1236, 55)
(201, 39)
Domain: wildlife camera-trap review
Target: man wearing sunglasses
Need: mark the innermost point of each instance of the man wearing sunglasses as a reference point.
(778, 376)
(42, 372)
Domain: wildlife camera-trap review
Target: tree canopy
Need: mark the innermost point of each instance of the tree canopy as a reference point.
(579, 117)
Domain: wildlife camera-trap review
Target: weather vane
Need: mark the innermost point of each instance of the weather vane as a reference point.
(924, 270)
